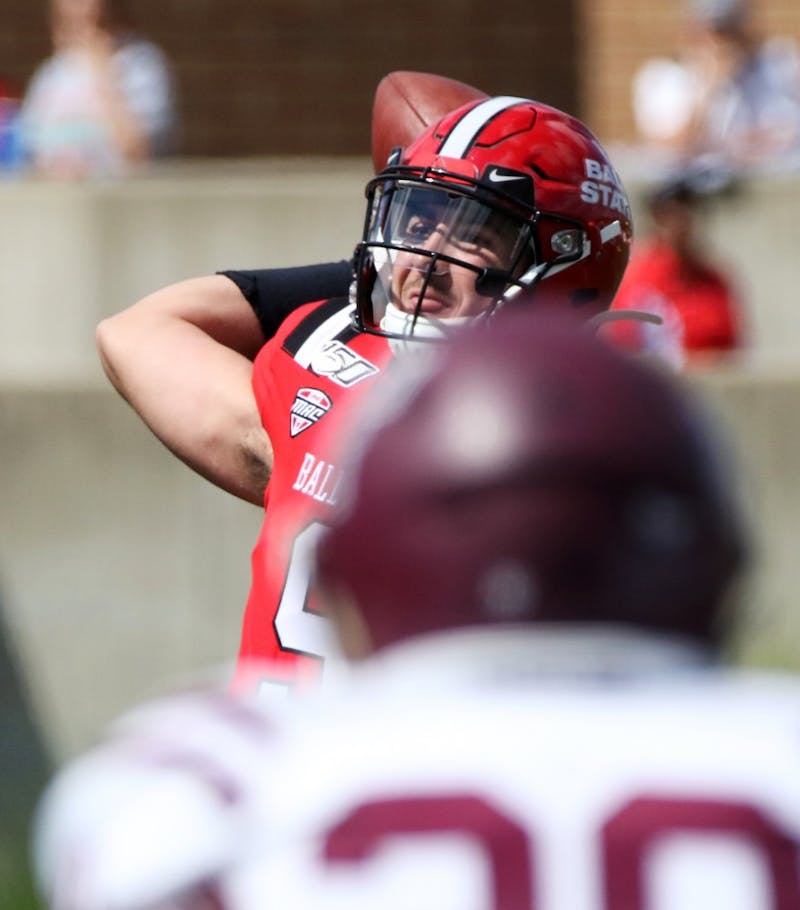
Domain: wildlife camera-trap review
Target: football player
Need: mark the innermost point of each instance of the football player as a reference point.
(529, 570)
(503, 200)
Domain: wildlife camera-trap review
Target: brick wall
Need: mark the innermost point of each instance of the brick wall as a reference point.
(23, 38)
(298, 76)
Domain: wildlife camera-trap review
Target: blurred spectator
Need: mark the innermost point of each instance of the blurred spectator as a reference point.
(104, 100)
(11, 155)
(729, 95)
(671, 276)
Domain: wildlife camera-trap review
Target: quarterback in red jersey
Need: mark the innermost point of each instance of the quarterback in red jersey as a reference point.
(313, 369)
(503, 201)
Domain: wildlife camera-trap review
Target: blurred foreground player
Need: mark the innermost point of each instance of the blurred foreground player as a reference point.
(502, 200)
(536, 716)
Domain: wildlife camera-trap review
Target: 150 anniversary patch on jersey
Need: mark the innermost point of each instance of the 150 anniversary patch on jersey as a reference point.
(308, 407)
(341, 364)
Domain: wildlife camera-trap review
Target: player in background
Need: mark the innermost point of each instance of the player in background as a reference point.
(243, 374)
(531, 582)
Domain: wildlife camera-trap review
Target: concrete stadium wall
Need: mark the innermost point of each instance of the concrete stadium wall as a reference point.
(71, 253)
(756, 406)
(121, 571)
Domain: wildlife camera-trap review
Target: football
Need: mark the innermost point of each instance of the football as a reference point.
(407, 102)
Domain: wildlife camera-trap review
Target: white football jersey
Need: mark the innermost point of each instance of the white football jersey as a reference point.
(524, 770)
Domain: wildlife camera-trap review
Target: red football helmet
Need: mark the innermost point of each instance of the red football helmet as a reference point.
(532, 473)
(533, 176)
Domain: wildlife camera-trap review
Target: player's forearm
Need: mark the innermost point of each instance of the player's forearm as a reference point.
(192, 392)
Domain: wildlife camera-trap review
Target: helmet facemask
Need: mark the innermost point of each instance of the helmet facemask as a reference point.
(437, 253)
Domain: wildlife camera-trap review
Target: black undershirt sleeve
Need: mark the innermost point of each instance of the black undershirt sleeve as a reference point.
(274, 293)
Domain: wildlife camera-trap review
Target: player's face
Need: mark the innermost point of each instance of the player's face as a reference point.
(448, 226)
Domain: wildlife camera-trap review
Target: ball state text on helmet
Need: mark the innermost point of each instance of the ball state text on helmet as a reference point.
(603, 187)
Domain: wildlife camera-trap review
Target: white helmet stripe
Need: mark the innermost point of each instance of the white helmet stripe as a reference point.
(469, 126)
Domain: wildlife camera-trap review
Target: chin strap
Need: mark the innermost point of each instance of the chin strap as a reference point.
(410, 325)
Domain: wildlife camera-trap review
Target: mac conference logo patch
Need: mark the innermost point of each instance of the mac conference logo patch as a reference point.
(309, 406)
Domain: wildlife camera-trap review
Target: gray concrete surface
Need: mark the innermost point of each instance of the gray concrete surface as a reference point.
(121, 572)
(757, 410)
(72, 253)
(119, 568)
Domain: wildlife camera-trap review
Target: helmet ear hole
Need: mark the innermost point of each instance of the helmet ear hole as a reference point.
(491, 282)
(567, 243)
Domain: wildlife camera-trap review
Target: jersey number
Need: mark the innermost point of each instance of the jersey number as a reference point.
(297, 626)
(625, 840)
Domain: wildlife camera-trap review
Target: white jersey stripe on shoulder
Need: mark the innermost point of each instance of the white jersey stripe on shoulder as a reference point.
(464, 132)
(325, 332)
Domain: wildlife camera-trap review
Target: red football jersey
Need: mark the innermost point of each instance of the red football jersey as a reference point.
(305, 379)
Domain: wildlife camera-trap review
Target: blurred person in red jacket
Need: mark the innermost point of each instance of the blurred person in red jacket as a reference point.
(673, 277)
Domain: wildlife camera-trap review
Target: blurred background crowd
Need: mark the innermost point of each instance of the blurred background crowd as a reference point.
(695, 78)
(696, 99)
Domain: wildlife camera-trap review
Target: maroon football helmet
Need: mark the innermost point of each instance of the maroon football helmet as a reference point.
(534, 176)
(530, 472)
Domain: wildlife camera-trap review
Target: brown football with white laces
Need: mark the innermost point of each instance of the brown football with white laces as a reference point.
(406, 102)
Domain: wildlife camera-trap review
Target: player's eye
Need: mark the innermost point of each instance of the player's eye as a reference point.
(418, 229)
